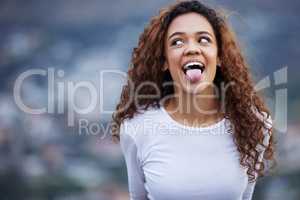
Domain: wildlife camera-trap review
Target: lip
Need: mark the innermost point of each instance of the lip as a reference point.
(193, 60)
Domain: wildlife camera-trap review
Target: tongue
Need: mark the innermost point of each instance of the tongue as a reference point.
(193, 75)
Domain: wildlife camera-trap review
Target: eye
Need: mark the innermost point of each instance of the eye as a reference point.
(204, 40)
(177, 42)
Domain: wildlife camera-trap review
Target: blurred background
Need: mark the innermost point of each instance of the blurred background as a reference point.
(68, 58)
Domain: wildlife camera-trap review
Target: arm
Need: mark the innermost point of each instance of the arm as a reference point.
(248, 193)
(134, 170)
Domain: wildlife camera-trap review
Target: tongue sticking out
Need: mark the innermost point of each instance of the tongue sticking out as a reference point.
(193, 75)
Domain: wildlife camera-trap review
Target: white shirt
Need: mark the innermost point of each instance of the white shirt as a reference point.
(167, 160)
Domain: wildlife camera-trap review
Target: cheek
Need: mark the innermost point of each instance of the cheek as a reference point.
(212, 55)
(174, 54)
(173, 59)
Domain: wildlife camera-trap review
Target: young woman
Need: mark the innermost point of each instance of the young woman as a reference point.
(189, 122)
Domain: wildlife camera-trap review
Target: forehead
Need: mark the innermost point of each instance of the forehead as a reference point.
(189, 23)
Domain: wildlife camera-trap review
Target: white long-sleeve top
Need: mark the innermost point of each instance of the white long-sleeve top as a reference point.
(167, 160)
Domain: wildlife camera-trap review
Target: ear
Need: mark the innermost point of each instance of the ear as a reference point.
(218, 62)
(165, 67)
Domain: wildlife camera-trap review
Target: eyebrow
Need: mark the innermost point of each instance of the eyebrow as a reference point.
(181, 33)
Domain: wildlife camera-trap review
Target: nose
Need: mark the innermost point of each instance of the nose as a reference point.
(192, 49)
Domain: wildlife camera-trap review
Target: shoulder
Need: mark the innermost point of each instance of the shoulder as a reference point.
(264, 117)
(267, 121)
(136, 126)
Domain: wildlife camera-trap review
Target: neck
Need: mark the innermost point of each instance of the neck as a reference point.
(202, 108)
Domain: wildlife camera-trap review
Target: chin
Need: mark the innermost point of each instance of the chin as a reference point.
(200, 87)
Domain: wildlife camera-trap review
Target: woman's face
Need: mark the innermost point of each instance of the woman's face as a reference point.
(191, 52)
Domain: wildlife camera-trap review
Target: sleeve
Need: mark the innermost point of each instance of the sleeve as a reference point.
(248, 193)
(134, 170)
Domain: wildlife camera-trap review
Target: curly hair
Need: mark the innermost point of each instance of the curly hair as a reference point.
(242, 103)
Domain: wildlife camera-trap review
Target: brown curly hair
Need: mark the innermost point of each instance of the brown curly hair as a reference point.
(240, 98)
